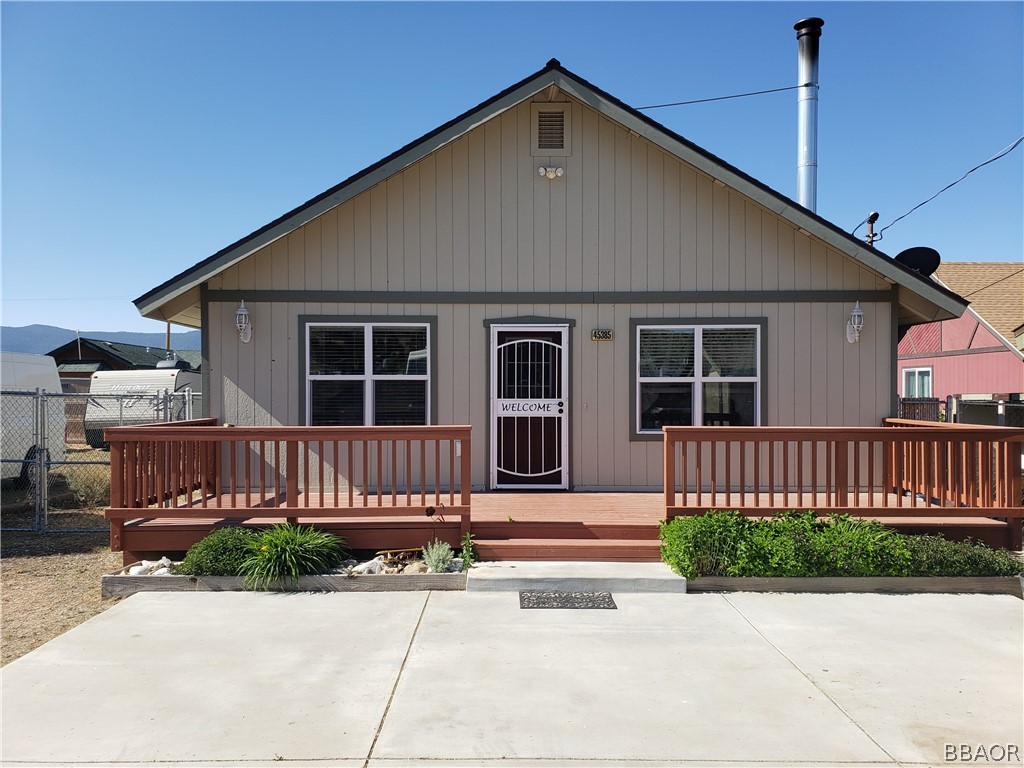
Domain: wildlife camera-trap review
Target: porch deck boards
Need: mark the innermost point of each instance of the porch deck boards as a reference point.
(506, 525)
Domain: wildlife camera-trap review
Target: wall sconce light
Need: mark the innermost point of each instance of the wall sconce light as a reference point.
(855, 324)
(243, 324)
(550, 173)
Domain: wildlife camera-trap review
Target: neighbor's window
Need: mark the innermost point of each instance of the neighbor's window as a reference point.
(917, 382)
(673, 389)
(367, 374)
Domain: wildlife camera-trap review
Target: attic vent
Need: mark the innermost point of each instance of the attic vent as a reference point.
(551, 129)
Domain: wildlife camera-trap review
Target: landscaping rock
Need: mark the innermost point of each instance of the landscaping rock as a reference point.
(417, 567)
(372, 566)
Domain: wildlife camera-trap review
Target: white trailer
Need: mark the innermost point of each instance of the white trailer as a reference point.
(24, 379)
(119, 398)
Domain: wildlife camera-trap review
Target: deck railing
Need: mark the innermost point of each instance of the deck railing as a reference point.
(200, 469)
(902, 469)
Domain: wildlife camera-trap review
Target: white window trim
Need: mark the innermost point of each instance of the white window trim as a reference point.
(917, 372)
(698, 379)
(368, 377)
(565, 109)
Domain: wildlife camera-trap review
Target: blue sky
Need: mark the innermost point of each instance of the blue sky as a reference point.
(139, 138)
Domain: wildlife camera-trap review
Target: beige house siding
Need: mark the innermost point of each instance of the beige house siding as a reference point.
(812, 375)
(475, 216)
(473, 221)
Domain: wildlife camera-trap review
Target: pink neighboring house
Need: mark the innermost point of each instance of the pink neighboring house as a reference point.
(977, 353)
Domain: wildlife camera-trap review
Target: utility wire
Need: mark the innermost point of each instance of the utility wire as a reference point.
(994, 282)
(723, 98)
(1001, 153)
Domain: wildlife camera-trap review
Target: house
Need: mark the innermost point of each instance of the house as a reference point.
(81, 358)
(565, 275)
(976, 353)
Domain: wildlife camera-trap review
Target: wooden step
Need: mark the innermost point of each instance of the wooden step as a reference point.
(563, 529)
(595, 550)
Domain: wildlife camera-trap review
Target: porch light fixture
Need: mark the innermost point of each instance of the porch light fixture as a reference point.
(243, 324)
(855, 324)
(550, 173)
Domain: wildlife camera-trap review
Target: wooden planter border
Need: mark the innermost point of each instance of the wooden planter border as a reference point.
(115, 585)
(884, 585)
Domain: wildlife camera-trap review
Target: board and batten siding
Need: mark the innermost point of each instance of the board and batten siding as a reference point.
(475, 219)
(812, 375)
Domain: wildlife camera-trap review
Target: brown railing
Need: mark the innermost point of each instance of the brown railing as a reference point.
(199, 469)
(904, 468)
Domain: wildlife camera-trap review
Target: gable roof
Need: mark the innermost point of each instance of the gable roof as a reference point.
(921, 300)
(995, 290)
(130, 355)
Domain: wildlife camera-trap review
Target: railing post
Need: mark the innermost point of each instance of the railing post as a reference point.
(841, 473)
(465, 481)
(116, 474)
(669, 457)
(292, 477)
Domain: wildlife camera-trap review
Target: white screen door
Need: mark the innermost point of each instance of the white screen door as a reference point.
(529, 406)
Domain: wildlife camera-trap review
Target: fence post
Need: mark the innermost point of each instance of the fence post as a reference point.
(292, 478)
(42, 463)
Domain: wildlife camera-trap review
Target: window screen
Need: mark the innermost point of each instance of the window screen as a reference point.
(367, 374)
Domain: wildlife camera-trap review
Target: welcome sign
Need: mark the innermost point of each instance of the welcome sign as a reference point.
(530, 407)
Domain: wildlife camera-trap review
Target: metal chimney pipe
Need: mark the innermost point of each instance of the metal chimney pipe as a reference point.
(807, 33)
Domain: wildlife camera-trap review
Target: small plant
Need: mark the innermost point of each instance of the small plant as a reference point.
(933, 555)
(285, 552)
(438, 556)
(219, 553)
(468, 553)
(90, 489)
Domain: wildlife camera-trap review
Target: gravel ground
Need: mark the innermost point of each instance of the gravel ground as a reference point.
(50, 583)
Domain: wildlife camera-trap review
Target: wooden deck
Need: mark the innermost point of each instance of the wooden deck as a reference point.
(505, 526)
(399, 487)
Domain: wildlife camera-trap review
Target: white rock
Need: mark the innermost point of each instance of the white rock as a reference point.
(161, 572)
(373, 566)
(164, 562)
(138, 570)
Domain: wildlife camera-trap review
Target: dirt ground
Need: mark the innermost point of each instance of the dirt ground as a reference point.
(50, 583)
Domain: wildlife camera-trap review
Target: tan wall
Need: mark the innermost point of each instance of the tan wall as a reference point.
(475, 216)
(812, 375)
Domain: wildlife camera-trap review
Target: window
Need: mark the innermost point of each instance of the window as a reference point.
(367, 374)
(551, 129)
(917, 382)
(673, 389)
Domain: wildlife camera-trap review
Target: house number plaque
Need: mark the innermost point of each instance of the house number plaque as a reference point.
(599, 334)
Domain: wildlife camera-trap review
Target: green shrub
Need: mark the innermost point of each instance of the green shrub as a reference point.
(842, 546)
(779, 547)
(438, 556)
(933, 555)
(219, 553)
(703, 545)
(722, 543)
(285, 552)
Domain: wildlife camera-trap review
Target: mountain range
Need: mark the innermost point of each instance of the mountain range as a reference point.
(41, 339)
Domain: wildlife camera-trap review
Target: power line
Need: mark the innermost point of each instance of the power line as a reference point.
(723, 98)
(1001, 153)
(994, 282)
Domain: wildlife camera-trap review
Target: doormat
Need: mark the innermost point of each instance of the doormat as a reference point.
(540, 599)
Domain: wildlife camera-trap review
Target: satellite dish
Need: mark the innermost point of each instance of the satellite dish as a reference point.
(921, 259)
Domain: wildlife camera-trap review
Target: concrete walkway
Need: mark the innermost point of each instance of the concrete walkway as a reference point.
(470, 679)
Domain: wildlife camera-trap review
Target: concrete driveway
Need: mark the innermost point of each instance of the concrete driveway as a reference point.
(467, 679)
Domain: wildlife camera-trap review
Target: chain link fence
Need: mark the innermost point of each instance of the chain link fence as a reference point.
(55, 465)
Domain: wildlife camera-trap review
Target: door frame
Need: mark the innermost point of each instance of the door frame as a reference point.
(494, 327)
